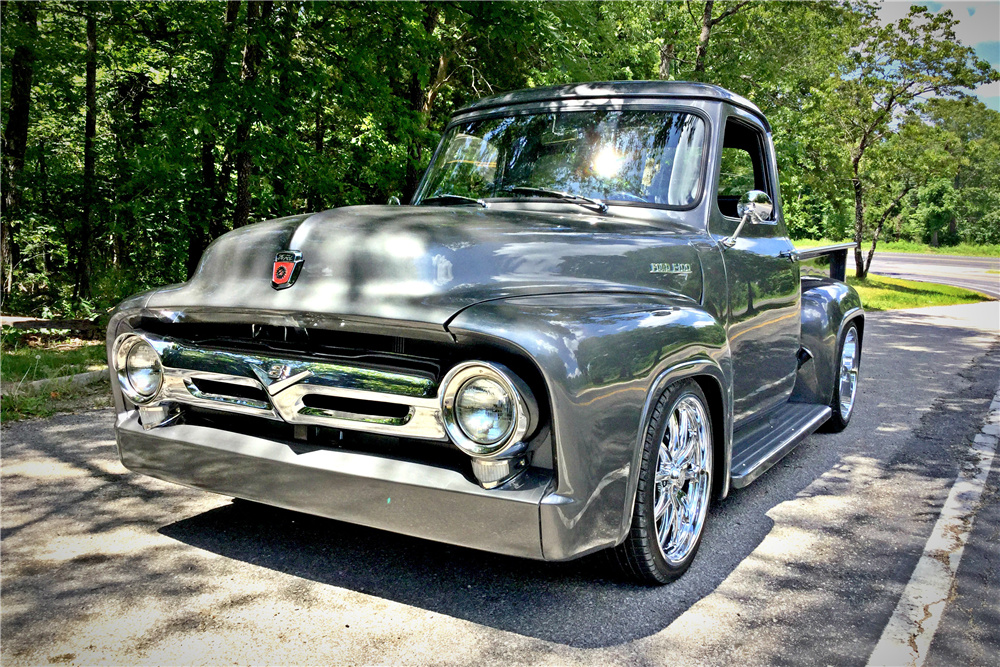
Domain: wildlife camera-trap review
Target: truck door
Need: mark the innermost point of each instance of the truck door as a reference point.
(761, 274)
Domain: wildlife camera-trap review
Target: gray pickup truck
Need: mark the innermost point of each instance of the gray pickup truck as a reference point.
(588, 325)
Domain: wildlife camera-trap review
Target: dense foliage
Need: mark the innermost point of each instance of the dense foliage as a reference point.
(136, 132)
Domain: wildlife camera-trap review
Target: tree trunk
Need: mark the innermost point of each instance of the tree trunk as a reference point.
(44, 206)
(256, 12)
(422, 101)
(15, 141)
(707, 23)
(315, 202)
(440, 77)
(706, 33)
(282, 171)
(205, 207)
(217, 226)
(131, 94)
(666, 61)
(859, 227)
(82, 289)
(881, 223)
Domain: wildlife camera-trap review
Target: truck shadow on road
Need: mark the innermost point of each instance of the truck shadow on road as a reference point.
(584, 603)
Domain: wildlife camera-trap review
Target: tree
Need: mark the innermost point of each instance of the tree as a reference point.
(210, 205)
(936, 208)
(15, 137)
(258, 14)
(893, 68)
(973, 139)
(707, 23)
(82, 289)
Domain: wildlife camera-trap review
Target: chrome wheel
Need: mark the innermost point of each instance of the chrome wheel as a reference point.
(683, 480)
(848, 373)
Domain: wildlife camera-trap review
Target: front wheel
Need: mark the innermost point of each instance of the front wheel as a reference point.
(674, 490)
(845, 387)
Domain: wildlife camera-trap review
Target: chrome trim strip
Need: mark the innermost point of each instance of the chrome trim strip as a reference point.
(424, 419)
(184, 365)
(191, 385)
(178, 387)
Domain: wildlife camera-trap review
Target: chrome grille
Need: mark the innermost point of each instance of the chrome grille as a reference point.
(298, 391)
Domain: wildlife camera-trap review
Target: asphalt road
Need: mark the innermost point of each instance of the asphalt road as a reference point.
(803, 567)
(968, 272)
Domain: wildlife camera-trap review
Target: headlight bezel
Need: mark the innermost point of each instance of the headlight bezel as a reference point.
(525, 412)
(123, 347)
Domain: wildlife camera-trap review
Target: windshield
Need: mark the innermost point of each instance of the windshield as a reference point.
(648, 157)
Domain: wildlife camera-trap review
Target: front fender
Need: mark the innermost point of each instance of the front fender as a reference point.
(602, 357)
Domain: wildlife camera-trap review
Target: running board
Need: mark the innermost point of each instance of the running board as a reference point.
(760, 445)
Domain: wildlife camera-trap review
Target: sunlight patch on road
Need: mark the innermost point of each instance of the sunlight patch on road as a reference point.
(777, 580)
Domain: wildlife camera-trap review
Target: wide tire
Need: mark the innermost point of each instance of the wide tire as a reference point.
(675, 488)
(845, 381)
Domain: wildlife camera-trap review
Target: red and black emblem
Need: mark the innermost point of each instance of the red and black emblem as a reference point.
(287, 265)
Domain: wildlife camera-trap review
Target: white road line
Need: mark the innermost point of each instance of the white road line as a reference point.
(907, 637)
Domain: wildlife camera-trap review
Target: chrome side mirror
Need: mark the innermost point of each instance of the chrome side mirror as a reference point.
(754, 207)
(757, 204)
(394, 200)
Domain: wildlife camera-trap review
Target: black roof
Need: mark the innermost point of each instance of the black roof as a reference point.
(665, 89)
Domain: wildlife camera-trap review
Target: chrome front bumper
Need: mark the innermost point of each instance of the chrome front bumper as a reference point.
(405, 497)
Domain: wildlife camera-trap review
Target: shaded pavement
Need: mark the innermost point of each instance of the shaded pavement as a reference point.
(805, 566)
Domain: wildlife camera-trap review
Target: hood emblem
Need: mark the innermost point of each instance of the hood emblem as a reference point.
(442, 266)
(287, 265)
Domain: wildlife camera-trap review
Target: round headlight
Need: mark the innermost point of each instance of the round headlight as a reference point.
(484, 410)
(487, 410)
(139, 370)
(143, 369)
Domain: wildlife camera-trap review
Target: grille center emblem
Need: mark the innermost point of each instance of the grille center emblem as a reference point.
(279, 371)
(276, 377)
(287, 265)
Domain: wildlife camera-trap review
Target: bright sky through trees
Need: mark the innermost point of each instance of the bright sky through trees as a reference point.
(978, 27)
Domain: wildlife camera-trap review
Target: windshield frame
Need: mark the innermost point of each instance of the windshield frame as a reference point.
(583, 106)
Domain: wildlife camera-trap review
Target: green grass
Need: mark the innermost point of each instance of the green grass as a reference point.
(21, 362)
(879, 293)
(963, 249)
(55, 398)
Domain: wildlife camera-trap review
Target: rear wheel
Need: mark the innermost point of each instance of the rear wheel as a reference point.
(845, 387)
(674, 491)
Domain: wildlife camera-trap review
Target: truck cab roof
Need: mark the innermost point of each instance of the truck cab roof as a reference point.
(683, 90)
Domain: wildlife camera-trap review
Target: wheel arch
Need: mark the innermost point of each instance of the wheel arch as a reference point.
(716, 385)
(721, 438)
(828, 307)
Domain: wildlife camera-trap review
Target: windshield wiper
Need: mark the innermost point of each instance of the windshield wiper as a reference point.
(448, 196)
(568, 196)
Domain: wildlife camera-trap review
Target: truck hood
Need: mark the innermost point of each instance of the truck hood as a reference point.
(422, 265)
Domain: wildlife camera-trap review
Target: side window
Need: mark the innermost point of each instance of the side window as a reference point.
(742, 167)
